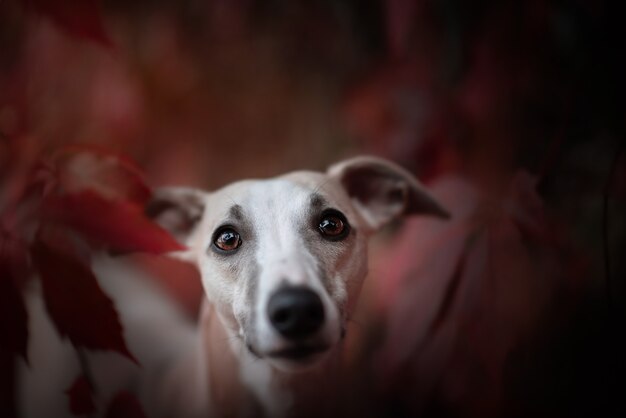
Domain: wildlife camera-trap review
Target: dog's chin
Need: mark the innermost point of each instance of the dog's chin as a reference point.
(298, 358)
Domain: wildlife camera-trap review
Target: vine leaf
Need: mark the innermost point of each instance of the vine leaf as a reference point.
(13, 315)
(102, 196)
(471, 290)
(117, 224)
(81, 397)
(125, 405)
(79, 308)
(79, 18)
(112, 176)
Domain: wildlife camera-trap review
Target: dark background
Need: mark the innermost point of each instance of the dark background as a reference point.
(512, 111)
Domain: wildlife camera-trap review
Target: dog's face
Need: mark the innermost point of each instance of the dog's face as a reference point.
(282, 260)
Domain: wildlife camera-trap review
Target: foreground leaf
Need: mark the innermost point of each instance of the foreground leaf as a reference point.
(111, 176)
(13, 315)
(119, 225)
(465, 295)
(80, 397)
(79, 18)
(125, 405)
(79, 308)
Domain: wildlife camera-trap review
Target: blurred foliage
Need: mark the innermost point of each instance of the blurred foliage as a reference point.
(204, 92)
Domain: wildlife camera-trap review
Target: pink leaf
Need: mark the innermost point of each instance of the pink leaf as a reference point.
(469, 291)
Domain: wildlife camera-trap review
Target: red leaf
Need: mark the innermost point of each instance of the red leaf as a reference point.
(118, 224)
(125, 405)
(102, 195)
(80, 18)
(471, 291)
(7, 385)
(400, 19)
(81, 397)
(83, 168)
(79, 308)
(13, 315)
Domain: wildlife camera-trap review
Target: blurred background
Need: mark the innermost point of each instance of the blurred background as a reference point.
(512, 112)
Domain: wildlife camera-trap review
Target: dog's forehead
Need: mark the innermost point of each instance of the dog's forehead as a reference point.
(265, 195)
(292, 193)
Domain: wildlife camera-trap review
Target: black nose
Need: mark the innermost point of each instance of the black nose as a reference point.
(295, 312)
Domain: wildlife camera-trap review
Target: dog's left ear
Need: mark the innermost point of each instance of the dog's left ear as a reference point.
(179, 210)
(382, 191)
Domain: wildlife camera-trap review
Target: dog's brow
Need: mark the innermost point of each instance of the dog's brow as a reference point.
(317, 201)
(236, 212)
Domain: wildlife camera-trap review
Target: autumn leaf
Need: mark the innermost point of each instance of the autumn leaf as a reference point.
(125, 405)
(79, 308)
(7, 385)
(120, 225)
(13, 315)
(463, 294)
(102, 195)
(79, 18)
(81, 397)
(87, 168)
(400, 19)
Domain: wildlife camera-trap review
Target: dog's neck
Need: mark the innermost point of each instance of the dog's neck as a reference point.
(240, 384)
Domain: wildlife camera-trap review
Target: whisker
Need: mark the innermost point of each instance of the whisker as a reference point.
(231, 199)
(322, 184)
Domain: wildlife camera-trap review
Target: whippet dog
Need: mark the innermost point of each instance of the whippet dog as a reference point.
(282, 262)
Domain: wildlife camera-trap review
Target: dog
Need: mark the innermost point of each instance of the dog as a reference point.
(282, 262)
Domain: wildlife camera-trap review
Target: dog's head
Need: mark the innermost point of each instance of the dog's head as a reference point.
(282, 260)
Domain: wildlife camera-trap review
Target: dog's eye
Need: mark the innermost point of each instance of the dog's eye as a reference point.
(227, 239)
(333, 225)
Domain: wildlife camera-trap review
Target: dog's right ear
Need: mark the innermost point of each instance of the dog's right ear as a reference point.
(178, 210)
